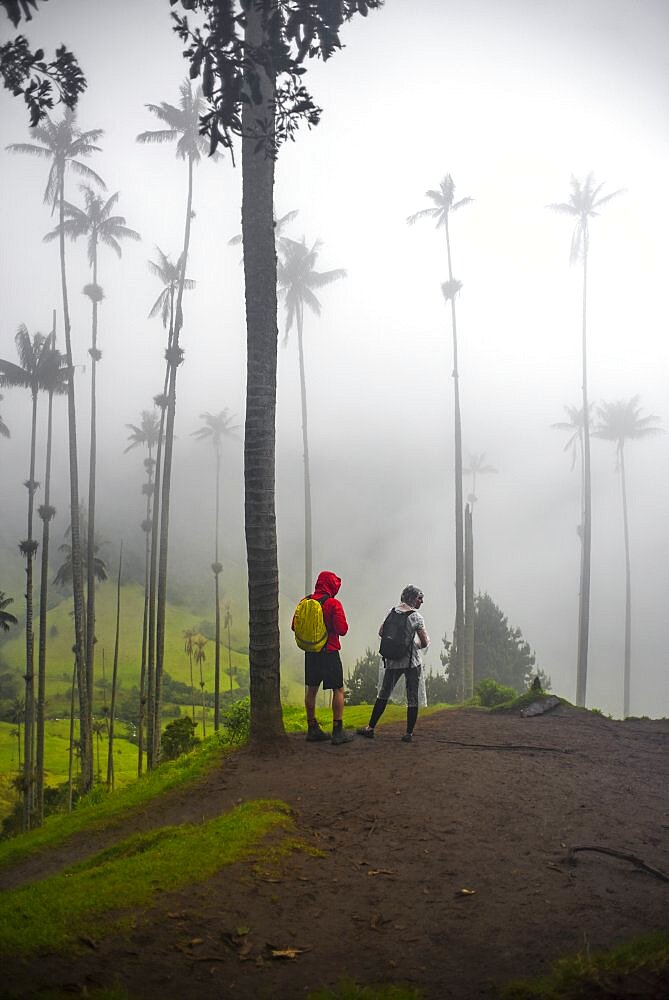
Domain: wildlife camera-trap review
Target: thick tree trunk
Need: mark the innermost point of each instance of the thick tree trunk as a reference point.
(145, 623)
(584, 593)
(469, 602)
(308, 564)
(112, 713)
(259, 439)
(90, 553)
(628, 590)
(70, 762)
(459, 630)
(85, 718)
(29, 722)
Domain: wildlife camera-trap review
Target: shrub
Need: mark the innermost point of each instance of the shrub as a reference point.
(237, 720)
(490, 692)
(178, 738)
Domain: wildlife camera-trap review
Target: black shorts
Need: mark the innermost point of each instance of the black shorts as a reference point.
(324, 668)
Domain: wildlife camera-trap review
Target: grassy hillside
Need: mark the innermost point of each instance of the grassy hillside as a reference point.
(60, 632)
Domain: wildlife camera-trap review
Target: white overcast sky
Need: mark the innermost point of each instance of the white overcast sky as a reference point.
(509, 96)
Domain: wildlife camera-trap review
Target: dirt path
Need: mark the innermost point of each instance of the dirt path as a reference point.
(487, 803)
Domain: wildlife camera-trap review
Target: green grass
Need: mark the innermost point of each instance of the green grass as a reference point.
(639, 967)
(295, 719)
(57, 911)
(352, 991)
(99, 809)
(60, 640)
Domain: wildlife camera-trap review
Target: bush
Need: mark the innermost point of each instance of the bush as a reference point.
(237, 720)
(362, 684)
(490, 692)
(178, 738)
(439, 688)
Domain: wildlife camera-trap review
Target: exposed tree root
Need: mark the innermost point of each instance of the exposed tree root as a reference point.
(624, 855)
(502, 746)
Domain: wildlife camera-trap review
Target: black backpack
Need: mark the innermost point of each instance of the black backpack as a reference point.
(394, 643)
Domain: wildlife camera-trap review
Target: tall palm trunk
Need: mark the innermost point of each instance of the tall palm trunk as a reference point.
(174, 360)
(628, 590)
(112, 713)
(217, 570)
(28, 548)
(259, 437)
(90, 554)
(70, 760)
(459, 525)
(85, 715)
(308, 577)
(153, 570)
(145, 619)
(584, 595)
(469, 603)
(46, 512)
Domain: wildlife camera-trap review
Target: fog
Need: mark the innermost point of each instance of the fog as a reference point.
(511, 99)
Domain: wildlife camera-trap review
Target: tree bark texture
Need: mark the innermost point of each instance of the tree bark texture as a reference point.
(260, 439)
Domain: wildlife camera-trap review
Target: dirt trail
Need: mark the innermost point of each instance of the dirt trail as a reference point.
(479, 802)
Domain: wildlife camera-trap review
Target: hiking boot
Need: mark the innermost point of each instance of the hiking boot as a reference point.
(316, 735)
(407, 738)
(364, 731)
(340, 736)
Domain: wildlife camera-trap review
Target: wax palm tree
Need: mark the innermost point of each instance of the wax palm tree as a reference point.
(443, 205)
(64, 574)
(171, 277)
(215, 427)
(297, 278)
(7, 619)
(189, 635)
(65, 145)
(4, 429)
(585, 201)
(199, 655)
(28, 374)
(96, 222)
(227, 625)
(55, 376)
(477, 467)
(573, 425)
(183, 127)
(619, 422)
(146, 435)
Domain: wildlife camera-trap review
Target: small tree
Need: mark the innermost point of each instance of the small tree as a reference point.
(362, 684)
(178, 737)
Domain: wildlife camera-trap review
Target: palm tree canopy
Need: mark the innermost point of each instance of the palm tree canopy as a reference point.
(574, 426)
(168, 273)
(33, 353)
(215, 426)
(444, 203)
(95, 221)
(477, 465)
(622, 420)
(585, 200)
(6, 618)
(147, 434)
(65, 145)
(183, 124)
(297, 277)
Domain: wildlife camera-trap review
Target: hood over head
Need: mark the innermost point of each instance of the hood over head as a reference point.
(327, 583)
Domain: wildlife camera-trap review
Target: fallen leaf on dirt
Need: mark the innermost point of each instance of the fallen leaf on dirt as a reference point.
(177, 916)
(382, 871)
(242, 931)
(245, 951)
(288, 953)
(195, 941)
(466, 892)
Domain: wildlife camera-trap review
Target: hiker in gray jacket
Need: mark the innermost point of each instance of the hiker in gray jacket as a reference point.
(403, 636)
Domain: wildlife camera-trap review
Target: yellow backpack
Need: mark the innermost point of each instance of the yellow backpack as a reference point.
(309, 624)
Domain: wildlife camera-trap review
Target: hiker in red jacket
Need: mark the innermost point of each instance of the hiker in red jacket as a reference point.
(325, 667)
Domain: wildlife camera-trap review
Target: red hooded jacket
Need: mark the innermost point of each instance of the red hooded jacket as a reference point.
(333, 612)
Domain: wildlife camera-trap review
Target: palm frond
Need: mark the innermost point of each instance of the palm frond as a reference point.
(424, 213)
(165, 135)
